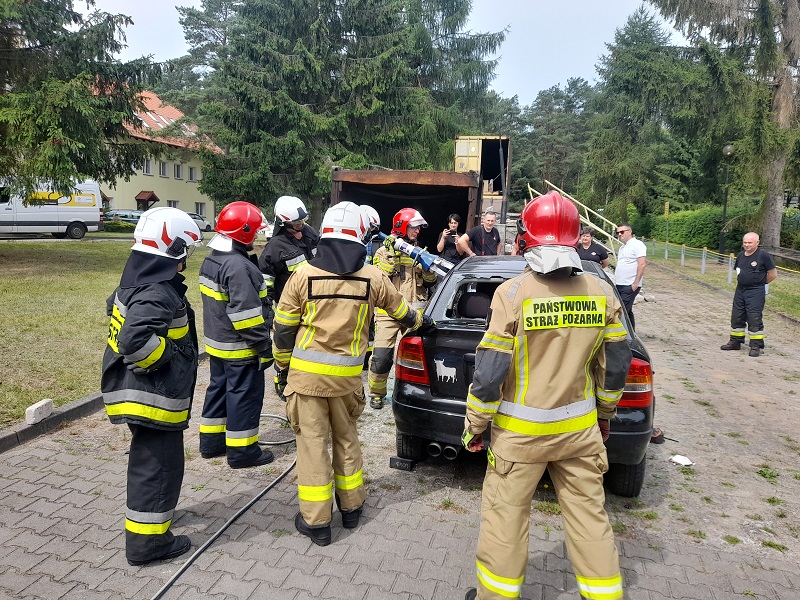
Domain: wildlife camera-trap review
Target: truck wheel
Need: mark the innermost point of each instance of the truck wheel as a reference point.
(76, 231)
(410, 447)
(625, 480)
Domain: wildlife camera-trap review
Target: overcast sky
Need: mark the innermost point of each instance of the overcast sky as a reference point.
(547, 43)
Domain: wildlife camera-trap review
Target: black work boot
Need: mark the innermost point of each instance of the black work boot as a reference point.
(471, 594)
(319, 534)
(376, 402)
(265, 458)
(732, 345)
(180, 545)
(755, 351)
(350, 518)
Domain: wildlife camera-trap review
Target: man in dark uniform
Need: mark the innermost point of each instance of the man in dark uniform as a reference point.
(754, 269)
(149, 372)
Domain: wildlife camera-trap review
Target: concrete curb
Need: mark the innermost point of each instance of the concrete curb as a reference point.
(19, 434)
(71, 411)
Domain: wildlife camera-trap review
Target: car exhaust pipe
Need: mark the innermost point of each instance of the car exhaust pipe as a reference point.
(434, 449)
(450, 452)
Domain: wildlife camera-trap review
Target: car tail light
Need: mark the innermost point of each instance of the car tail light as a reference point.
(638, 390)
(411, 365)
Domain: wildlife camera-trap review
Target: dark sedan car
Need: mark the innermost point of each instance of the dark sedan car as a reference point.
(433, 374)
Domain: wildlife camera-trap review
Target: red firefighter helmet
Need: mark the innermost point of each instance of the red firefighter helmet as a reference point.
(549, 220)
(240, 221)
(405, 218)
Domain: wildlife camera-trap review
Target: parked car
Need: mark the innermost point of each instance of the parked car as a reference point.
(433, 374)
(124, 215)
(201, 221)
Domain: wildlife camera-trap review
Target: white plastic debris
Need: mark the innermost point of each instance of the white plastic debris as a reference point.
(680, 460)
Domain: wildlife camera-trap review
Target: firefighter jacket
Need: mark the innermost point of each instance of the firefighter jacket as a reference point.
(235, 307)
(554, 360)
(150, 361)
(322, 327)
(283, 255)
(406, 275)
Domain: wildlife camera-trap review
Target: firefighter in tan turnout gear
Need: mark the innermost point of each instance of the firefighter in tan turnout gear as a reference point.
(551, 368)
(320, 339)
(149, 372)
(412, 282)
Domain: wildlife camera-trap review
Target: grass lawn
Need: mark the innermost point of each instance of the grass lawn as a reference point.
(53, 321)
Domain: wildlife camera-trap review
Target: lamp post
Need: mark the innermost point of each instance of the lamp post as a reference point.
(727, 152)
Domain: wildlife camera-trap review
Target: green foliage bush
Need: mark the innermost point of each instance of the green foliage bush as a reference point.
(119, 227)
(699, 228)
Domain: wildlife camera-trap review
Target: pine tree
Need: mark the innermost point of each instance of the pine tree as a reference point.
(64, 100)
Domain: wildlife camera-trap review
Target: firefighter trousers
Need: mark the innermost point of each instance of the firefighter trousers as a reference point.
(387, 330)
(748, 310)
(232, 411)
(155, 474)
(315, 420)
(502, 553)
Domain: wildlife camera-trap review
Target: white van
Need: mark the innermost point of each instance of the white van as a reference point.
(62, 216)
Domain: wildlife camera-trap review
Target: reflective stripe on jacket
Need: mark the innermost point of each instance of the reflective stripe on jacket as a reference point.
(150, 329)
(235, 306)
(322, 327)
(409, 278)
(553, 360)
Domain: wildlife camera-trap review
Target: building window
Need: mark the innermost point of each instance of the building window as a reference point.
(178, 170)
(192, 173)
(200, 208)
(172, 203)
(162, 169)
(147, 168)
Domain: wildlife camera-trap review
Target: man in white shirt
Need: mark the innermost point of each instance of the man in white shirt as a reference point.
(631, 262)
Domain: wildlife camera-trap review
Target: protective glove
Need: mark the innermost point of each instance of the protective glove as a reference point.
(605, 428)
(136, 369)
(265, 360)
(388, 242)
(427, 327)
(281, 380)
(471, 441)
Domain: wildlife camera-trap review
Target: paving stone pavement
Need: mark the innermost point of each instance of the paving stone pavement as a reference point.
(62, 501)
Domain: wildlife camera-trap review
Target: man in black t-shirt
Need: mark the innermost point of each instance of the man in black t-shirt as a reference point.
(754, 269)
(483, 240)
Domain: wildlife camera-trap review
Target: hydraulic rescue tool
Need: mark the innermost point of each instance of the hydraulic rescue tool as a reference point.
(428, 261)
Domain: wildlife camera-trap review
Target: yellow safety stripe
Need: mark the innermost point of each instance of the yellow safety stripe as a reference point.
(287, 318)
(363, 310)
(484, 407)
(212, 428)
(536, 429)
(756, 336)
(615, 330)
(588, 385)
(521, 382)
(204, 289)
(608, 395)
(178, 332)
(241, 442)
(147, 528)
(401, 311)
(247, 323)
(310, 329)
(324, 369)
(315, 493)
(349, 482)
(146, 412)
(496, 342)
(600, 588)
(231, 354)
(114, 327)
(504, 586)
(155, 355)
(281, 355)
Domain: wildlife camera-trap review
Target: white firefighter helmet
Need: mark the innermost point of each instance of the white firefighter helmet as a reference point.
(166, 231)
(344, 221)
(288, 209)
(373, 218)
